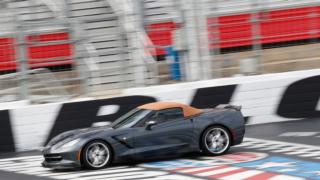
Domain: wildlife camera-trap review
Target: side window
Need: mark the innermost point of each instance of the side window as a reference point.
(150, 117)
(169, 115)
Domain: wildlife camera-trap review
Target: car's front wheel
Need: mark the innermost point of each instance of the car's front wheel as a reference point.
(215, 140)
(96, 155)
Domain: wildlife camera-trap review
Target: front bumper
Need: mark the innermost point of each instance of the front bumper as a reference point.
(63, 164)
(61, 160)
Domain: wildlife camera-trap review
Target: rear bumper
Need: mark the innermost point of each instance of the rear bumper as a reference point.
(238, 136)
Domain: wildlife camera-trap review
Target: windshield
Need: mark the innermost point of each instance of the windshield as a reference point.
(130, 118)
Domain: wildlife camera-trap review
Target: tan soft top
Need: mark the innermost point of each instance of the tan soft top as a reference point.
(187, 110)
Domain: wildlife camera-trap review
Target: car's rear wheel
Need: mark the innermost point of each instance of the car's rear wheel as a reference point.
(215, 140)
(96, 155)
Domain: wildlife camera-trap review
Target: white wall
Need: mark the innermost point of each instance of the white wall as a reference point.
(259, 96)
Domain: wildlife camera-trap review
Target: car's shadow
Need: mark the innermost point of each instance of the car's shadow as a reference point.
(133, 163)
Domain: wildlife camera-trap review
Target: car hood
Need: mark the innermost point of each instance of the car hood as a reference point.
(78, 133)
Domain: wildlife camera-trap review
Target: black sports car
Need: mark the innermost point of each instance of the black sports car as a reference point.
(150, 131)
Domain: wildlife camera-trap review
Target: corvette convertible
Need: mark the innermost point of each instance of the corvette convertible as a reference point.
(153, 130)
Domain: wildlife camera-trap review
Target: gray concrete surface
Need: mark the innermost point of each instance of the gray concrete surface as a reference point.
(286, 150)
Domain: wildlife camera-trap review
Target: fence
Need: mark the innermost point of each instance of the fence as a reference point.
(239, 37)
(38, 56)
(98, 47)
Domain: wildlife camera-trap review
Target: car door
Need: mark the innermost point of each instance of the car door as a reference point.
(172, 134)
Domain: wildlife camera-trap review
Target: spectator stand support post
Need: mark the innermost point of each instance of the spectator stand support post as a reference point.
(173, 58)
(22, 63)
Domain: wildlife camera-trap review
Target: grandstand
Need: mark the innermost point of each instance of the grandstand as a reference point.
(85, 49)
(56, 50)
(232, 26)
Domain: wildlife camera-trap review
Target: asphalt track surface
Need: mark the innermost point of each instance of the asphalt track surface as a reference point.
(286, 150)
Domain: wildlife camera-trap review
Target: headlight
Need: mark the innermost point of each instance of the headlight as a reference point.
(60, 137)
(67, 145)
(70, 144)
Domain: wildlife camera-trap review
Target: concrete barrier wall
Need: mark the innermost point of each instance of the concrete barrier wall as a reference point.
(264, 98)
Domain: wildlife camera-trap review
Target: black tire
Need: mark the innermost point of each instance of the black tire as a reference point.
(88, 155)
(204, 141)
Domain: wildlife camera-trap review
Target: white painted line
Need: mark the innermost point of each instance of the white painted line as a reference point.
(125, 176)
(311, 154)
(12, 163)
(286, 149)
(259, 146)
(298, 134)
(16, 169)
(51, 174)
(19, 166)
(301, 151)
(209, 173)
(23, 158)
(4, 164)
(286, 177)
(195, 169)
(242, 175)
(35, 171)
(273, 147)
(172, 177)
(284, 143)
(246, 143)
(98, 172)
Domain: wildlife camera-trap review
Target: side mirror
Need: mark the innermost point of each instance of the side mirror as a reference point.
(149, 124)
